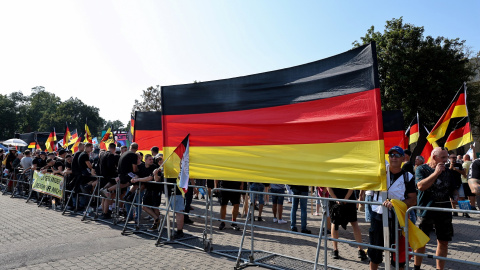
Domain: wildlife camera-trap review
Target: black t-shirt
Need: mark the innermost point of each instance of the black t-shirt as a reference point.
(75, 167)
(82, 165)
(40, 163)
(341, 193)
(10, 158)
(440, 192)
(59, 163)
(408, 167)
(457, 177)
(108, 165)
(126, 161)
(143, 171)
(230, 184)
(82, 159)
(474, 170)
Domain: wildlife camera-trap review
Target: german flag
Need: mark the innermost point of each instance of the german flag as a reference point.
(88, 135)
(318, 124)
(132, 128)
(393, 133)
(427, 149)
(148, 131)
(107, 139)
(50, 143)
(32, 145)
(75, 142)
(66, 136)
(460, 136)
(454, 113)
(413, 131)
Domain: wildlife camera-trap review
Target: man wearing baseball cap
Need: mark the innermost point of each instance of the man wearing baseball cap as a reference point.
(400, 186)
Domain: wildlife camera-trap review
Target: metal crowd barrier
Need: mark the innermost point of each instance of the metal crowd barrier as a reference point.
(406, 230)
(207, 237)
(321, 236)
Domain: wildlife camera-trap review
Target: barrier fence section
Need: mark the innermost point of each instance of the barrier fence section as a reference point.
(406, 230)
(321, 236)
(20, 177)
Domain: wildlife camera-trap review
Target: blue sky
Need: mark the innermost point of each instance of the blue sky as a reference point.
(106, 52)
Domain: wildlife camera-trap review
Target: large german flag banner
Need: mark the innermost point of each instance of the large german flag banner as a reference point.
(460, 135)
(148, 131)
(393, 133)
(456, 111)
(317, 124)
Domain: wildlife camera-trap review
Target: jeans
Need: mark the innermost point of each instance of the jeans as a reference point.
(258, 187)
(303, 211)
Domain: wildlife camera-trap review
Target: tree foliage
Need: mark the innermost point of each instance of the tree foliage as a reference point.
(151, 101)
(42, 111)
(420, 73)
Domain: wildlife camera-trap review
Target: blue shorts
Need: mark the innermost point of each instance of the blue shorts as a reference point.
(277, 199)
(179, 203)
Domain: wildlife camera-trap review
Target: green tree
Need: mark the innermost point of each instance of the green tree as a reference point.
(151, 101)
(117, 125)
(41, 105)
(419, 73)
(74, 112)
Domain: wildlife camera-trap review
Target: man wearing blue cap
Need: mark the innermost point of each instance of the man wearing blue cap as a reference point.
(400, 186)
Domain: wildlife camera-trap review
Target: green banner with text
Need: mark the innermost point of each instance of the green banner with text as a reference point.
(48, 184)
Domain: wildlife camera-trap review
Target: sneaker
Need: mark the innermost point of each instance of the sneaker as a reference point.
(362, 255)
(154, 226)
(235, 227)
(275, 220)
(222, 226)
(316, 214)
(335, 254)
(106, 215)
(306, 231)
(259, 219)
(294, 229)
(281, 221)
(104, 193)
(178, 234)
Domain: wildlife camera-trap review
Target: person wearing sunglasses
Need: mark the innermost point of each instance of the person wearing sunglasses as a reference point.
(400, 186)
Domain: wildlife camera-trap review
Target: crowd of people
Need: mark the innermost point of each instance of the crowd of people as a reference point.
(441, 182)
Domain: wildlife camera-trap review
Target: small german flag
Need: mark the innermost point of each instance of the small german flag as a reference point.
(32, 145)
(413, 131)
(66, 136)
(460, 136)
(455, 112)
